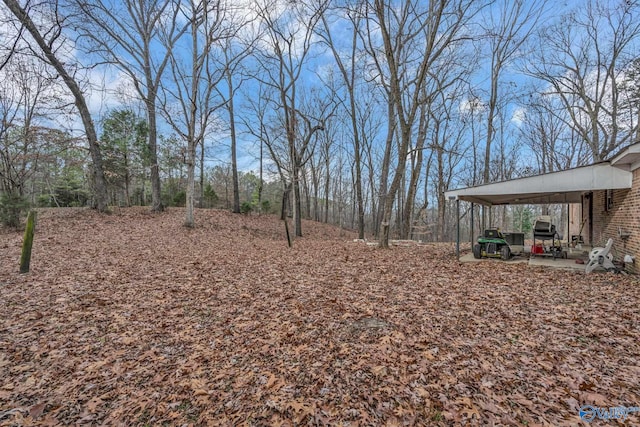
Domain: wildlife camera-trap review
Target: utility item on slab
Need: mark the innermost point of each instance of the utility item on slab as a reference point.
(544, 230)
(600, 257)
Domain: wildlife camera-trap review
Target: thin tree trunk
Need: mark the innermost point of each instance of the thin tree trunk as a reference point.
(297, 205)
(127, 181)
(190, 192)
(234, 159)
(307, 193)
(490, 129)
(407, 216)
(384, 173)
(416, 169)
(327, 185)
(260, 185)
(156, 192)
(201, 204)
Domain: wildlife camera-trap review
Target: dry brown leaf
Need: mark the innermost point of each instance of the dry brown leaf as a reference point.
(131, 319)
(37, 410)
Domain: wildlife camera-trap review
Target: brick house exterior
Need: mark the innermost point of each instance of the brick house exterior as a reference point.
(615, 214)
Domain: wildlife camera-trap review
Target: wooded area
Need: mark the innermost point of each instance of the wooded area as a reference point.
(368, 110)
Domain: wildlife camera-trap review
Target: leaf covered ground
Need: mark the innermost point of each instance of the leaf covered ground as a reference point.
(132, 319)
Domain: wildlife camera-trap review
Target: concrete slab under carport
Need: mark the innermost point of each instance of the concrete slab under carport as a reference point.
(539, 261)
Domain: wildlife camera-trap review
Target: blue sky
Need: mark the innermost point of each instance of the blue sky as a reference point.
(112, 87)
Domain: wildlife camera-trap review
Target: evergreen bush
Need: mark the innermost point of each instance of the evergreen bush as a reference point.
(12, 209)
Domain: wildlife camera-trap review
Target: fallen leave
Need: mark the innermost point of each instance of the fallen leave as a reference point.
(132, 319)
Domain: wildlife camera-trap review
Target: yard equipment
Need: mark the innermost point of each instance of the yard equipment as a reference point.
(544, 230)
(492, 244)
(601, 257)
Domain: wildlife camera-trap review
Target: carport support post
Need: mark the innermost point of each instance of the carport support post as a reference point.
(568, 235)
(458, 229)
(473, 207)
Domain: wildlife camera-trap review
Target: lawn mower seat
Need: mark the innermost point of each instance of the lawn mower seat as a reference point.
(600, 257)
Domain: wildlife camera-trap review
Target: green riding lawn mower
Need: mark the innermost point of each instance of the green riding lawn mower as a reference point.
(495, 244)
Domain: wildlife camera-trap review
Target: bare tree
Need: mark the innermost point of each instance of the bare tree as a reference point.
(511, 26)
(235, 49)
(348, 68)
(554, 145)
(447, 140)
(48, 37)
(257, 125)
(23, 93)
(581, 59)
(189, 97)
(630, 86)
(283, 55)
(414, 38)
(138, 36)
(370, 127)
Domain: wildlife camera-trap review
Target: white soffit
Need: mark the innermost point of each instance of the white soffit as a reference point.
(557, 187)
(628, 159)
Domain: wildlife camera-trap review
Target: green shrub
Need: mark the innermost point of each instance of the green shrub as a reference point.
(246, 208)
(45, 201)
(210, 196)
(70, 191)
(12, 209)
(266, 206)
(179, 199)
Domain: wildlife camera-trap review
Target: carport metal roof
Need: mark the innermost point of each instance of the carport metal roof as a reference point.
(556, 187)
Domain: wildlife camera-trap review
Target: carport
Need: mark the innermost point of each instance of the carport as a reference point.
(563, 187)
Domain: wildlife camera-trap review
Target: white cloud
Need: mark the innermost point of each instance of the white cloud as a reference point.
(519, 115)
(472, 105)
(108, 88)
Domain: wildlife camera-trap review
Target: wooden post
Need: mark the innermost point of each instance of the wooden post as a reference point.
(25, 258)
(471, 234)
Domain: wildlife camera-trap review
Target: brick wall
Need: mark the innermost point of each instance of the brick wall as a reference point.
(624, 215)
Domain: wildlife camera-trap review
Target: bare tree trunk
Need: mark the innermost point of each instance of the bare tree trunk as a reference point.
(190, 192)
(286, 193)
(349, 79)
(440, 24)
(297, 203)
(261, 184)
(307, 196)
(127, 185)
(407, 217)
(416, 169)
(393, 189)
(315, 177)
(384, 172)
(442, 202)
(126, 37)
(515, 24)
(234, 154)
(201, 204)
(327, 185)
(156, 192)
